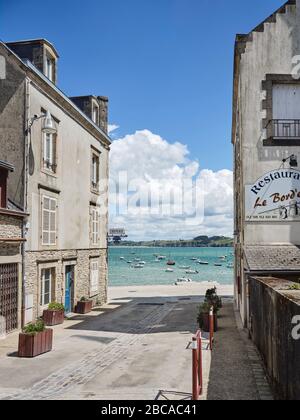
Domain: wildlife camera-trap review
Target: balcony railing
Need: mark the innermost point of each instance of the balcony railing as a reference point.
(50, 166)
(286, 129)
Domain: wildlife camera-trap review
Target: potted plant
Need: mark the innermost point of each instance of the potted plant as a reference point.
(84, 306)
(212, 300)
(203, 318)
(35, 340)
(54, 315)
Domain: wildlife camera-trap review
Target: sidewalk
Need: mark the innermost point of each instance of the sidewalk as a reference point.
(236, 369)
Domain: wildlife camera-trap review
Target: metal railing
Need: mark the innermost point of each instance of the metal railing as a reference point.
(286, 129)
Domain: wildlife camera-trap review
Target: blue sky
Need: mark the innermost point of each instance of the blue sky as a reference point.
(166, 65)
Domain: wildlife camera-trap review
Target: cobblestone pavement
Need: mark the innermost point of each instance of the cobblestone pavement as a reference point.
(82, 371)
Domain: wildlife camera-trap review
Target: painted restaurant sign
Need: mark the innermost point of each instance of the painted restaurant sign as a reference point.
(274, 197)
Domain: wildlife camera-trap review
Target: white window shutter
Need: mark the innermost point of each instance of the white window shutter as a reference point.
(94, 278)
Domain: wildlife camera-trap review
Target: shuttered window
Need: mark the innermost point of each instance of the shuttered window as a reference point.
(94, 278)
(49, 210)
(95, 225)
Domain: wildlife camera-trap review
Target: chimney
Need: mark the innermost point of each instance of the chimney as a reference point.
(103, 111)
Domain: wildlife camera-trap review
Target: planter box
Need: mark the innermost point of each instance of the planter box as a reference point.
(84, 307)
(32, 345)
(204, 323)
(52, 318)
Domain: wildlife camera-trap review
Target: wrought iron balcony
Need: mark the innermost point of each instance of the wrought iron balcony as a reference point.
(286, 129)
(50, 166)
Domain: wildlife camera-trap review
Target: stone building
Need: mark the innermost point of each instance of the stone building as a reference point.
(266, 140)
(59, 148)
(11, 240)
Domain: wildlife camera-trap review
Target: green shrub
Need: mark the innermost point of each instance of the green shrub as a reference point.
(54, 306)
(35, 327)
(213, 299)
(84, 299)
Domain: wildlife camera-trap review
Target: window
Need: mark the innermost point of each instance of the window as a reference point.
(49, 152)
(47, 281)
(95, 114)
(95, 171)
(49, 68)
(94, 278)
(49, 206)
(95, 225)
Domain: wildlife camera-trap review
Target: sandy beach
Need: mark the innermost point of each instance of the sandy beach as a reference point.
(184, 289)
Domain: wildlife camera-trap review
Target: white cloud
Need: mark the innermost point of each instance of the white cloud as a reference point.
(112, 128)
(149, 163)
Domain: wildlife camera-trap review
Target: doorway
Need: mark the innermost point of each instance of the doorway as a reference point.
(69, 288)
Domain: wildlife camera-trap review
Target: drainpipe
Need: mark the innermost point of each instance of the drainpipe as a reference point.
(24, 228)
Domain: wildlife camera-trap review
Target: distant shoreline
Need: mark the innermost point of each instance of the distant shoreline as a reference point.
(198, 242)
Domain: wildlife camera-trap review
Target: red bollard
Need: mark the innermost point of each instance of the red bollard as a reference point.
(195, 369)
(197, 366)
(211, 328)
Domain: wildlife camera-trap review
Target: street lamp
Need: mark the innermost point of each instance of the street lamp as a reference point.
(293, 161)
(48, 123)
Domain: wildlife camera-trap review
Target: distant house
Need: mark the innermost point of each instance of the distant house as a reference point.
(59, 149)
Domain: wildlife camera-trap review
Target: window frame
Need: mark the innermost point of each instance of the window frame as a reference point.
(51, 271)
(267, 105)
(95, 171)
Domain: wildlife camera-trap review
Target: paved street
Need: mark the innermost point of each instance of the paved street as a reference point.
(134, 348)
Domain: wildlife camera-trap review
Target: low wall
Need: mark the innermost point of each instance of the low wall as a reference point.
(272, 309)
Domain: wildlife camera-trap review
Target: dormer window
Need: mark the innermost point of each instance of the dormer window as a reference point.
(95, 114)
(49, 70)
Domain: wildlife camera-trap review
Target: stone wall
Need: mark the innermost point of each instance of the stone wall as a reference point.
(35, 261)
(10, 226)
(272, 309)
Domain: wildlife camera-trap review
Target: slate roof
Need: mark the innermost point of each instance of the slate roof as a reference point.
(272, 258)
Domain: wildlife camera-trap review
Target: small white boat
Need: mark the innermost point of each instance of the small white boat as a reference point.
(169, 270)
(183, 267)
(203, 262)
(129, 262)
(184, 280)
(122, 258)
(138, 266)
(192, 272)
(218, 265)
(161, 257)
(194, 259)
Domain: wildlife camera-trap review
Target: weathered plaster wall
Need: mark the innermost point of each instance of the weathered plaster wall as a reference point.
(72, 180)
(12, 125)
(269, 52)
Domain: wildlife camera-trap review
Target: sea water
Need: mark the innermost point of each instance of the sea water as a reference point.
(123, 259)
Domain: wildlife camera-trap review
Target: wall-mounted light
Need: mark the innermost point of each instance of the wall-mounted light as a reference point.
(48, 123)
(293, 160)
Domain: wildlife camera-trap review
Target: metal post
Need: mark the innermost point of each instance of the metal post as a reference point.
(211, 327)
(200, 371)
(195, 369)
